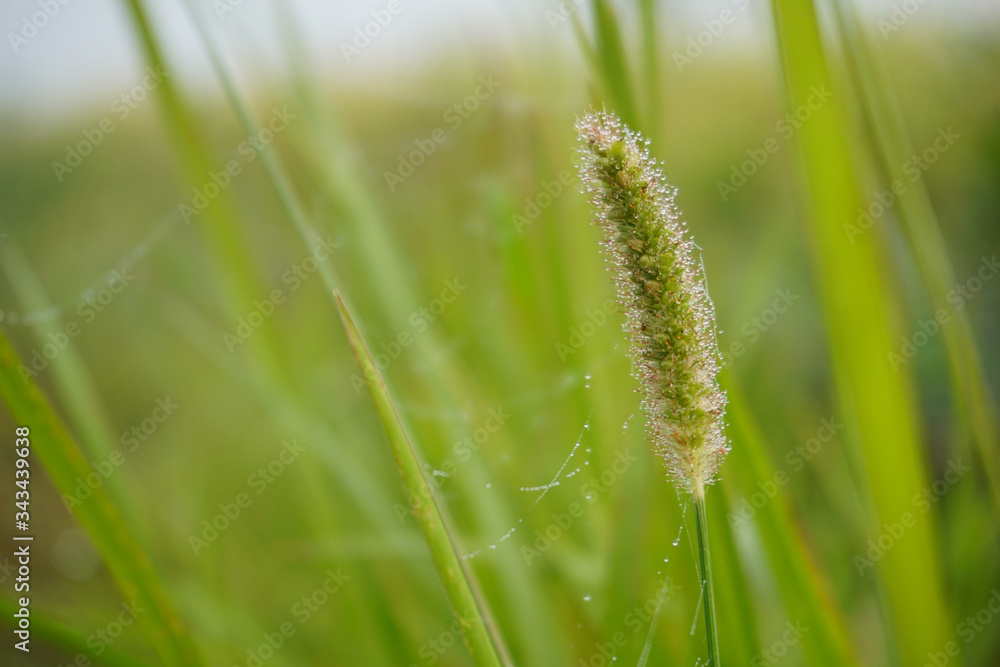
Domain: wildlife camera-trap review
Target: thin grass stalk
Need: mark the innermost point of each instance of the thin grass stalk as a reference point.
(377, 244)
(705, 567)
(613, 60)
(651, 69)
(478, 630)
(273, 168)
(220, 223)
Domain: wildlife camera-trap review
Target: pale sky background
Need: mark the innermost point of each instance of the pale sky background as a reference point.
(86, 55)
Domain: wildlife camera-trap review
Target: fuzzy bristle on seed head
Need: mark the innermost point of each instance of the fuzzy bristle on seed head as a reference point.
(670, 319)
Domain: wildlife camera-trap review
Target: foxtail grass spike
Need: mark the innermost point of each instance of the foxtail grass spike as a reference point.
(670, 319)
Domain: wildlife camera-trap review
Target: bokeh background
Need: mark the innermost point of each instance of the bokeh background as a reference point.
(427, 170)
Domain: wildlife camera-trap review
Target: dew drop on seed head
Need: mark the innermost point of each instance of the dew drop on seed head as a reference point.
(586, 598)
(489, 486)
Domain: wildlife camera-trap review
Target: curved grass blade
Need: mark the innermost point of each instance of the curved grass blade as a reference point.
(65, 464)
(478, 630)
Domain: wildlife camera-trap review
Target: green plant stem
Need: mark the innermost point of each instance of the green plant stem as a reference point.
(470, 610)
(705, 563)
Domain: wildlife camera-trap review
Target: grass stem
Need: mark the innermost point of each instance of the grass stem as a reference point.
(705, 566)
(476, 622)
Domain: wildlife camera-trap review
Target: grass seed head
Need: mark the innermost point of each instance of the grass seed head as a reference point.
(670, 319)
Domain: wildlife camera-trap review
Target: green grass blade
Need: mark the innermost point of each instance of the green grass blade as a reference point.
(328, 151)
(893, 147)
(219, 221)
(611, 61)
(76, 387)
(799, 580)
(478, 631)
(651, 70)
(736, 614)
(65, 464)
(857, 309)
(273, 167)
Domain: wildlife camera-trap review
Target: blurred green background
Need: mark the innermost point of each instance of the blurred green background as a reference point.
(480, 280)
